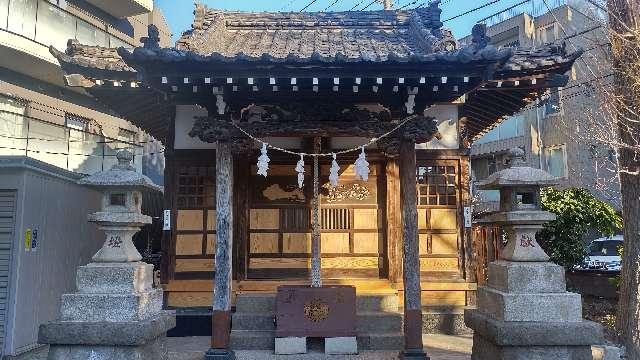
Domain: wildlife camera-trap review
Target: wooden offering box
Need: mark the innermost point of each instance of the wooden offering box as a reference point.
(328, 311)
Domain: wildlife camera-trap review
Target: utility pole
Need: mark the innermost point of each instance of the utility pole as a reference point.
(388, 4)
(624, 27)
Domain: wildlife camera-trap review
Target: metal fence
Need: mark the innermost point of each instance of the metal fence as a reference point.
(68, 148)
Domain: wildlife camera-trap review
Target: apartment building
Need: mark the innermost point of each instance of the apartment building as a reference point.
(50, 136)
(564, 132)
(62, 126)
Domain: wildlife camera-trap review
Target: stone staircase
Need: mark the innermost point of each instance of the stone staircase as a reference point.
(379, 323)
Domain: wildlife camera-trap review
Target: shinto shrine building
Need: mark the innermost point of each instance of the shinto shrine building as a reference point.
(318, 83)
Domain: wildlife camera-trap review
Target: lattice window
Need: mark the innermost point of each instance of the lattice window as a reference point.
(196, 186)
(437, 185)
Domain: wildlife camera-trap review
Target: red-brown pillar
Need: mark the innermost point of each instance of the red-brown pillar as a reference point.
(413, 347)
(221, 319)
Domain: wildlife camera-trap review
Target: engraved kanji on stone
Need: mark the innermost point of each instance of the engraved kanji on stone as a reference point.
(115, 242)
(526, 241)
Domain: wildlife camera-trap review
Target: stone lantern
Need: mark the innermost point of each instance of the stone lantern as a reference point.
(524, 310)
(120, 216)
(116, 312)
(520, 214)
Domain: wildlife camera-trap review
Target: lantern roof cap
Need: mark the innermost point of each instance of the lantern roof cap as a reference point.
(518, 175)
(122, 174)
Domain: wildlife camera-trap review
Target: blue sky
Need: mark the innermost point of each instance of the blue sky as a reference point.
(179, 13)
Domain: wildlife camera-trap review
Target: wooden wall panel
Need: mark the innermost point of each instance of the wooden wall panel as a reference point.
(444, 219)
(189, 244)
(440, 298)
(334, 243)
(327, 263)
(439, 264)
(422, 219)
(424, 243)
(189, 265)
(365, 218)
(366, 243)
(189, 220)
(296, 243)
(211, 220)
(189, 299)
(444, 243)
(263, 243)
(211, 244)
(264, 219)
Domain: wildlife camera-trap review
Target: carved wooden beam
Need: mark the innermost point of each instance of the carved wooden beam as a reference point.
(416, 128)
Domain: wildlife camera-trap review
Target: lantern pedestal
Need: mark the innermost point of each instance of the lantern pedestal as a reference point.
(115, 314)
(525, 312)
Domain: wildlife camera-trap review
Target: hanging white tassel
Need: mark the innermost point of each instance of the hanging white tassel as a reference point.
(361, 167)
(263, 161)
(300, 171)
(333, 172)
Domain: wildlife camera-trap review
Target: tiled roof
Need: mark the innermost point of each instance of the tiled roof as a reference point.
(352, 35)
(94, 57)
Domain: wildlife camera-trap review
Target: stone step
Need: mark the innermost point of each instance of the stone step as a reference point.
(377, 302)
(379, 322)
(253, 321)
(264, 340)
(368, 302)
(256, 303)
(444, 320)
(252, 340)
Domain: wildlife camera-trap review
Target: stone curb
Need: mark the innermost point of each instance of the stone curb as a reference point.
(501, 333)
(132, 333)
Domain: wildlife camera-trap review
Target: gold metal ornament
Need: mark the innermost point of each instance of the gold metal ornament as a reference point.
(316, 310)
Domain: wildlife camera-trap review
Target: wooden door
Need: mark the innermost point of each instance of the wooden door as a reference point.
(439, 218)
(194, 237)
(352, 226)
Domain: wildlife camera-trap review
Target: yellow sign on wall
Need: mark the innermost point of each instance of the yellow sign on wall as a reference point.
(27, 240)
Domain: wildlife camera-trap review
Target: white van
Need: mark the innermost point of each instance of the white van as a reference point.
(603, 254)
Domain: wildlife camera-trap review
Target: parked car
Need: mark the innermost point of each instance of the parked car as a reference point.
(603, 254)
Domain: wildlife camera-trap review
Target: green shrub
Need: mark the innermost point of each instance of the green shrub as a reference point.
(577, 212)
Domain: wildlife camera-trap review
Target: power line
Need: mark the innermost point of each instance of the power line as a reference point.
(309, 4)
(473, 10)
(505, 10)
(407, 4)
(333, 3)
(356, 5)
(371, 3)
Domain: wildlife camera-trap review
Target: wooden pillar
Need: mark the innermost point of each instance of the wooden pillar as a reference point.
(413, 347)
(470, 250)
(316, 261)
(394, 222)
(221, 319)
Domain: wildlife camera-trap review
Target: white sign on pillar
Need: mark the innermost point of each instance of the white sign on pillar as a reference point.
(467, 216)
(166, 220)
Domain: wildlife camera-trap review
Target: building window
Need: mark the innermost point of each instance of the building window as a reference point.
(512, 127)
(49, 24)
(13, 127)
(557, 160)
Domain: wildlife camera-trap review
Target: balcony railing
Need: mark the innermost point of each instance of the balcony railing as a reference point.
(50, 25)
(71, 149)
